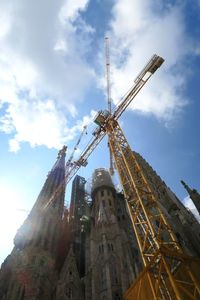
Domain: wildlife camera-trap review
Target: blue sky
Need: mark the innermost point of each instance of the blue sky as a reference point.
(52, 81)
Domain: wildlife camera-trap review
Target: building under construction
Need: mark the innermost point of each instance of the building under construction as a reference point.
(141, 243)
(101, 257)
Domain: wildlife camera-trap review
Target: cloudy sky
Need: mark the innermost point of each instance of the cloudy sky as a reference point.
(52, 81)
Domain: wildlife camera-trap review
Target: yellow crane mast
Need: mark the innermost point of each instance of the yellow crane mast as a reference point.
(169, 273)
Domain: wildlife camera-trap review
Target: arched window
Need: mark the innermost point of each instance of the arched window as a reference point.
(54, 203)
(22, 293)
(103, 277)
(69, 293)
(117, 297)
(42, 262)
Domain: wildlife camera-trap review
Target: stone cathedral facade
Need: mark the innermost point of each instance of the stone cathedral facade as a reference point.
(88, 252)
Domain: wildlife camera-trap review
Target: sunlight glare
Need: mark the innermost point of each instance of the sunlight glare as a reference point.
(11, 217)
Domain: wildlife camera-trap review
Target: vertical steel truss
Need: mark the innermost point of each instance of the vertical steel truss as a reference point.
(167, 272)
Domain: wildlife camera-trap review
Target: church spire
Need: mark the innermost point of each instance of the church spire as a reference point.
(40, 228)
(52, 193)
(32, 262)
(194, 195)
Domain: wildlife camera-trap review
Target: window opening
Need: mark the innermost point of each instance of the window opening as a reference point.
(116, 297)
(69, 293)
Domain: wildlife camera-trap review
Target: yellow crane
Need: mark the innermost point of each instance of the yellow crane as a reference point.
(169, 273)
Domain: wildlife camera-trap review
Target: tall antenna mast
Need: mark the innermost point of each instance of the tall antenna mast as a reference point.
(107, 54)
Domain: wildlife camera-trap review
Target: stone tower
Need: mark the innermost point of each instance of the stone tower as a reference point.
(29, 271)
(183, 222)
(70, 285)
(194, 195)
(112, 258)
(78, 209)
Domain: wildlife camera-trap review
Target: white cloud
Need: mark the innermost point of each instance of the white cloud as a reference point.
(40, 123)
(43, 73)
(71, 8)
(189, 204)
(139, 29)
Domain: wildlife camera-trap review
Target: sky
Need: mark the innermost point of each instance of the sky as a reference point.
(52, 83)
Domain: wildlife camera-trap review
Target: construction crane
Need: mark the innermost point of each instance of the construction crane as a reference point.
(107, 55)
(69, 162)
(99, 133)
(168, 272)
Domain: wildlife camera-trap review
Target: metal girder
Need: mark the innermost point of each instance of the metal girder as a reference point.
(168, 274)
(154, 63)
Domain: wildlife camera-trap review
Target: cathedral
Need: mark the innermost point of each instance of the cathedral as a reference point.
(89, 251)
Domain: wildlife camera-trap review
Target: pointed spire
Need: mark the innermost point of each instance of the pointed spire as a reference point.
(62, 152)
(102, 216)
(70, 263)
(40, 226)
(194, 195)
(69, 283)
(54, 187)
(186, 187)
